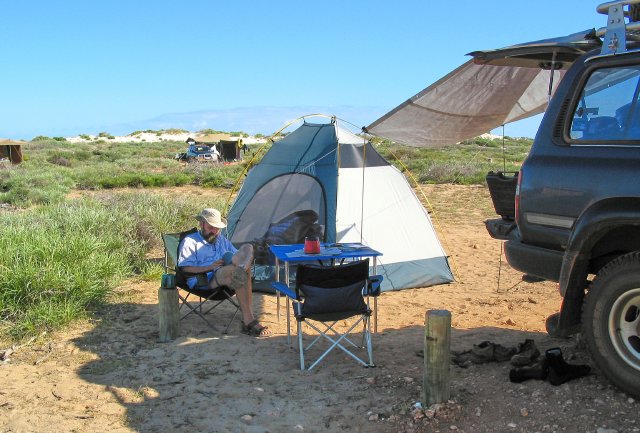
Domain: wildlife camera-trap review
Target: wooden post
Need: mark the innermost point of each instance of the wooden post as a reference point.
(169, 314)
(437, 343)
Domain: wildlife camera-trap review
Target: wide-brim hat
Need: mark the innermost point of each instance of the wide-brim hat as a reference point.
(212, 217)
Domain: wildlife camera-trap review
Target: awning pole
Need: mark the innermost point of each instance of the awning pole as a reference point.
(504, 157)
(553, 68)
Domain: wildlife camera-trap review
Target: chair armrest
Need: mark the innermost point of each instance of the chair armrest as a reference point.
(282, 288)
(373, 285)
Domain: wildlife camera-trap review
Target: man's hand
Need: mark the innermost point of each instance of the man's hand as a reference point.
(217, 264)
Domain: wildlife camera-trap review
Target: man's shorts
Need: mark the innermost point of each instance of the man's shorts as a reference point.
(201, 281)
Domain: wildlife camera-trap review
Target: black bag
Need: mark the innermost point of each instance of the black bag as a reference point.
(502, 187)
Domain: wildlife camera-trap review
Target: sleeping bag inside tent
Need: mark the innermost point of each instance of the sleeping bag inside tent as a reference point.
(326, 181)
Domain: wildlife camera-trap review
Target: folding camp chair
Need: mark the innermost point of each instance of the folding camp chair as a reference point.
(325, 295)
(202, 299)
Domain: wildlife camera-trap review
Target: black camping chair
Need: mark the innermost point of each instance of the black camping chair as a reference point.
(200, 300)
(325, 295)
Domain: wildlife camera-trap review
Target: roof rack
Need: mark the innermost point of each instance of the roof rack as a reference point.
(618, 32)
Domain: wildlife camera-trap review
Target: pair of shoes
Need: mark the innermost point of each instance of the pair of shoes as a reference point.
(483, 353)
(552, 368)
(461, 358)
(488, 351)
(527, 353)
(560, 371)
(255, 329)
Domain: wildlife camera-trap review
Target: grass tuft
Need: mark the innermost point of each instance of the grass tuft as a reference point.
(60, 261)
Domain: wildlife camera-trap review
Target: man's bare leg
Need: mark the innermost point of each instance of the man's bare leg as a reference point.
(239, 278)
(236, 278)
(243, 257)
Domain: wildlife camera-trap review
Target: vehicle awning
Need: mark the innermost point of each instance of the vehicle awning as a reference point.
(494, 88)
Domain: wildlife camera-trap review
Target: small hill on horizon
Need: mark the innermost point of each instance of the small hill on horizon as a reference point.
(149, 136)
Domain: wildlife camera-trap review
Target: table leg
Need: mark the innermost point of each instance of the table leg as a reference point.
(286, 281)
(375, 300)
(277, 293)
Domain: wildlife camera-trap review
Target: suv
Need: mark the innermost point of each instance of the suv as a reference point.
(201, 152)
(577, 200)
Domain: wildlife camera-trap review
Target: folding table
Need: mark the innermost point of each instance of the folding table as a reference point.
(330, 254)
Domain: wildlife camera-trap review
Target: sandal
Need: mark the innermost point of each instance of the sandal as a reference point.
(255, 329)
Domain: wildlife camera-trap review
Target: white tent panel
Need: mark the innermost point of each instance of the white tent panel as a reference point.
(394, 220)
(347, 137)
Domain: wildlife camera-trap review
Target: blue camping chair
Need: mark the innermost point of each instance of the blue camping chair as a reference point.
(324, 295)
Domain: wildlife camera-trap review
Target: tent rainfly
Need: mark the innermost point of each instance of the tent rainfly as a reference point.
(322, 179)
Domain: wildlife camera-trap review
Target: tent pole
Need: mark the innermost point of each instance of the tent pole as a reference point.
(335, 124)
(364, 164)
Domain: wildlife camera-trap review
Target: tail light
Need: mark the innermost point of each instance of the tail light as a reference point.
(517, 198)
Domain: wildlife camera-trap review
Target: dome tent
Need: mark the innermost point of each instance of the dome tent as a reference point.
(325, 180)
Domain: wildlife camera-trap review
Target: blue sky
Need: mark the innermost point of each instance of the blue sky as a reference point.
(78, 66)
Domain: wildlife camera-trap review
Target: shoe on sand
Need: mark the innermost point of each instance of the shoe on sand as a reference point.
(255, 329)
(527, 354)
(482, 353)
(488, 351)
(538, 371)
(560, 371)
(502, 353)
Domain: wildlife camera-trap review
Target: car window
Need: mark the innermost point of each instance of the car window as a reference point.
(608, 108)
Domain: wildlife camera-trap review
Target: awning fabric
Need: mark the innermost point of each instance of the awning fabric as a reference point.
(494, 88)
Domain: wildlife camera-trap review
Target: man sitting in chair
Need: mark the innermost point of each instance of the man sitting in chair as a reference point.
(209, 251)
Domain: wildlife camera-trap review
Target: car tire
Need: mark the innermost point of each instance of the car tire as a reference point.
(611, 322)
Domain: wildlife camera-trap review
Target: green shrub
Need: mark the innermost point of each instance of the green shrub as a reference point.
(31, 184)
(40, 138)
(175, 131)
(72, 255)
(209, 131)
(69, 263)
(60, 160)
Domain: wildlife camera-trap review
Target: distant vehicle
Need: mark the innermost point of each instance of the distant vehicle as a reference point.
(199, 152)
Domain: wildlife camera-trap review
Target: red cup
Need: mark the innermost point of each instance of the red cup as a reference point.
(311, 245)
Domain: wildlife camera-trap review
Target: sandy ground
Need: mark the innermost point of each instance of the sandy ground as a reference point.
(111, 374)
